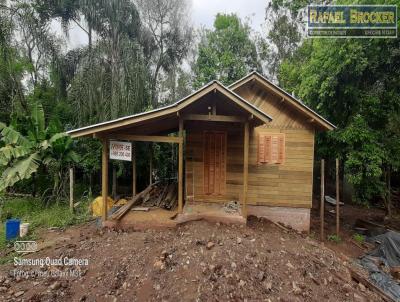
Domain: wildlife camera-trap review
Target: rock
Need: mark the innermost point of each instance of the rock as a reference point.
(267, 285)
(233, 265)
(289, 265)
(164, 254)
(330, 279)
(18, 294)
(159, 265)
(241, 283)
(296, 289)
(358, 298)
(56, 285)
(361, 287)
(347, 288)
(125, 285)
(239, 240)
(260, 276)
(210, 245)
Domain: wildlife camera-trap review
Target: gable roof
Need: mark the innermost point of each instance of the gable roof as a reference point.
(174, 108)
(321, 121)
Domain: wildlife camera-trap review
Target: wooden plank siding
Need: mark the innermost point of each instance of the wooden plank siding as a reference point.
(288, 184)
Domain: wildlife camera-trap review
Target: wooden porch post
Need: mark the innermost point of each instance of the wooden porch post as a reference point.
(104, 177)
(245, 168)
(337, 198)
(180, 168)
(71, 189)
(133, 169)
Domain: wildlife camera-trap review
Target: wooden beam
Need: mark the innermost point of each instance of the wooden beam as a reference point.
(146, 138)
(71, 189)
(133, 169)
(214, 118)
(214, 108)
(104, 177)
(337, 198)
(245, 168)
(180, 168)
(322, 206)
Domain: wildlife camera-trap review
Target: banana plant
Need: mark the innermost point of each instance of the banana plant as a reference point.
(23, 154)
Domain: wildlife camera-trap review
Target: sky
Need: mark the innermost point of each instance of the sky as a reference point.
(203, 13)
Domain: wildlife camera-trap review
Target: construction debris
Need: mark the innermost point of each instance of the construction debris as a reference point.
(332, 201)
(136, 200)
(162, 195)
(231, 207)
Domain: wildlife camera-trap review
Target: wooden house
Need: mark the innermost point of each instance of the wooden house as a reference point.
(250, 142)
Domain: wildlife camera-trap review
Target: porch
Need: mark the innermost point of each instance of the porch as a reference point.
(204, 113)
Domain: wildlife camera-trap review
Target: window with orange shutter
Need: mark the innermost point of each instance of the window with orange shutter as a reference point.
(271, 148)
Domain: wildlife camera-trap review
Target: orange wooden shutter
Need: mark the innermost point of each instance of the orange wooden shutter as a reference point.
(267, 149)
(281, 149)
(274, 149)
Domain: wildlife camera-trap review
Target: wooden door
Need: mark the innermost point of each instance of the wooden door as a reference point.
(214, 159)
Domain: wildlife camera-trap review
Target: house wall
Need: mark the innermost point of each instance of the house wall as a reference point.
(275, 191)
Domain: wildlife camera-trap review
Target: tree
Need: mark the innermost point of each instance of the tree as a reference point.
(284, 24)
(355, 84)
(226, 53)
(166, 38)
(24, 153)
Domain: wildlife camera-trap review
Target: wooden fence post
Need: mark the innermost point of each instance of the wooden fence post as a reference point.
(322, 206)
(337, 198)
(71, 189)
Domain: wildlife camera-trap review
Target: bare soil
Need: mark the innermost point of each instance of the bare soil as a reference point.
(199, 261)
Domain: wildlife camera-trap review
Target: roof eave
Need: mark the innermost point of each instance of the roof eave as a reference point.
(254, 75)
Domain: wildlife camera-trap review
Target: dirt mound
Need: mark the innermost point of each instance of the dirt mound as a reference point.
(199, 261)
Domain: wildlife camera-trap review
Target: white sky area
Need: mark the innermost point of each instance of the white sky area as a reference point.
(203, 13)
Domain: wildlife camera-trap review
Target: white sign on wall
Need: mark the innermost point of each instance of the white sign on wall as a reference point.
(121, 150)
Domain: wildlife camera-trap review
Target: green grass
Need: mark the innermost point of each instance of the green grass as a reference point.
(359, 238)
(34, 212)
(334, 238)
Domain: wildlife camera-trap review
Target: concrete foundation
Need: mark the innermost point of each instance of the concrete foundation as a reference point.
(296, 218)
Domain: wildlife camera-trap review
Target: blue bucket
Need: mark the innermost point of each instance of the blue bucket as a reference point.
(12, 228)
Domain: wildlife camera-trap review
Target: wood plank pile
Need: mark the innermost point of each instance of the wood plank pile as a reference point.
(136, 200)
(163, 195)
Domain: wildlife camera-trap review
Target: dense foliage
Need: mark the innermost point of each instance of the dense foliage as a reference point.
(226, 53)
(355, 83)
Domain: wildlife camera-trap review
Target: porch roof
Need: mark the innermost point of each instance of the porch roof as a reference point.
(171, 112)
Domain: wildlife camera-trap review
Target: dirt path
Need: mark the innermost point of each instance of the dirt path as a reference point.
(199, 261)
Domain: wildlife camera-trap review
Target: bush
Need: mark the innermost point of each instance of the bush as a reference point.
(334, 238)
(359, 238)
